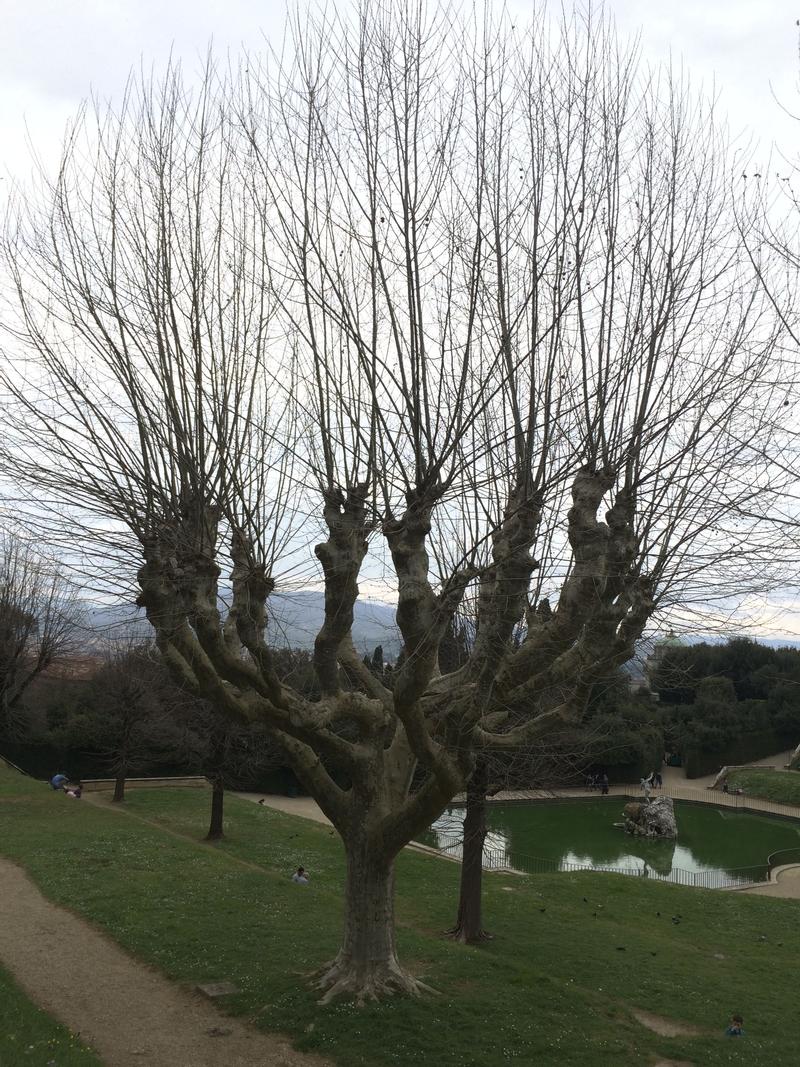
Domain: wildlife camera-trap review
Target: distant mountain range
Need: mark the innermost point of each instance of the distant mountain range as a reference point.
(295, 619)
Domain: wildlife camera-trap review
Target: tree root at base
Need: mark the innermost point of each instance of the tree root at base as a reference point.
(457, 934)
(363, 984)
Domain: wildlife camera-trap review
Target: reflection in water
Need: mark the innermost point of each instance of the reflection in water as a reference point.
(447, 831)
(656, 861)
(558, 835)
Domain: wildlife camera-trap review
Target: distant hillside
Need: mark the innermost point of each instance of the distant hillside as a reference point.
(294, 620)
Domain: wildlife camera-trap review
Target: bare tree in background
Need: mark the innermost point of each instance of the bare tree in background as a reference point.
(436, 297)
(39, 615)
(133, 724)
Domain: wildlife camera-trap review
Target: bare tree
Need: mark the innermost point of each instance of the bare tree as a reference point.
(436, 296)
(131, 724)
(39, 615)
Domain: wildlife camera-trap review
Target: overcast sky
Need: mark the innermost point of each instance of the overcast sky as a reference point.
(54, 52)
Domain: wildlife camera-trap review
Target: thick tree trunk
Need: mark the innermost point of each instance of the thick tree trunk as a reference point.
(215, 831)
(119, 790)
(367, 967)
(469, 922)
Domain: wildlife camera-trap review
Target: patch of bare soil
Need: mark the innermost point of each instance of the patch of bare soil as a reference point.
(131, 1015)
(663, 1026)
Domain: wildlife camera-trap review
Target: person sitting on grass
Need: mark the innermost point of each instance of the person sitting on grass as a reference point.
(300, 877)
(74, 791)
(736, 1028)
(58, 781)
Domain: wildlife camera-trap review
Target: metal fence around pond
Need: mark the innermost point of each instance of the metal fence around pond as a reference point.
(782, 857)
(501, 860)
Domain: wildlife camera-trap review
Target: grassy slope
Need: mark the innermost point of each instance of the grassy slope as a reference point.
(781, 786)
(30, 1037)
(553, 987)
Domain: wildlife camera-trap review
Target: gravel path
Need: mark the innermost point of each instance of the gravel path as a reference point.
(131, 1015)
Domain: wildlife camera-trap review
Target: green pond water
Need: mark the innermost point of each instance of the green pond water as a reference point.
(583, 833)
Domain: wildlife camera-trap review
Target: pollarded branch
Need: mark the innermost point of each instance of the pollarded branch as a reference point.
(341, 557)
(247, 617)
(179, 591)
(600, 551)
(422, 615)
(504, 586)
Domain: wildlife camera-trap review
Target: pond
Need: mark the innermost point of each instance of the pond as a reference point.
(557, 835)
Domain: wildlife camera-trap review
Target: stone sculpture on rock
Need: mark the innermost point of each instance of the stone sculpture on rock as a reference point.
(654, 819)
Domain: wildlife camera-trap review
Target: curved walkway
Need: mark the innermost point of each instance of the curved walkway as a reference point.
(670, 789)
(129, 1014)
(784, 882)
(678, 787)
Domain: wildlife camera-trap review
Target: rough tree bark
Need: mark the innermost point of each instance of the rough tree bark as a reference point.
(119, 789)
(469, 920)
(366, 966)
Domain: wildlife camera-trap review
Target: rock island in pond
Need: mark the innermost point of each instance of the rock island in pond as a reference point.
(653, 819)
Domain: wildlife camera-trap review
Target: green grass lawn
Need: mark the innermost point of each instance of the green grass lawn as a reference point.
(30, 1037)
(781, 786)
(572, 953)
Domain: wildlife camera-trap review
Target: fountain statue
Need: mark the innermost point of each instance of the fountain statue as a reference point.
(655, 818)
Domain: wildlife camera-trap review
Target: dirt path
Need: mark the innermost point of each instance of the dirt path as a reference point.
(130, 1014)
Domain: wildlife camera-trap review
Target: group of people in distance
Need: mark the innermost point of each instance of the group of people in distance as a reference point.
(598, 781)
(61, 783)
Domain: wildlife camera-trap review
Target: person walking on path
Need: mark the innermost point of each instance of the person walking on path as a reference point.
(604, 785)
